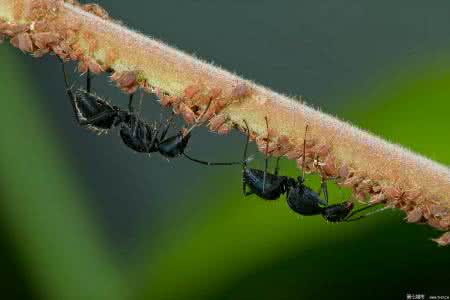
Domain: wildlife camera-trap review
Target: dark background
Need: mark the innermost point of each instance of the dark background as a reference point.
(82, 217)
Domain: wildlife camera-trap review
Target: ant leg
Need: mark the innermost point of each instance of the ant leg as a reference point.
(166, 129)
(199, 122)
(130, 103)
(323, 189)
(243, 162)
(304, 154)
(348, 219)
(244, 189)
(88, 81)
(277, 166)
(266, 161)
(69, 92)
(101, 115)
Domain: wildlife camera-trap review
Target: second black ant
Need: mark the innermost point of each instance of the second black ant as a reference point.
(300, 198)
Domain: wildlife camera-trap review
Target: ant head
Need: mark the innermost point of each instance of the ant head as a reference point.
(337, 212)
(291, 183)
(300, 180)
(122, 116)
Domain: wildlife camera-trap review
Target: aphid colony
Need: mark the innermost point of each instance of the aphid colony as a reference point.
(100, 116)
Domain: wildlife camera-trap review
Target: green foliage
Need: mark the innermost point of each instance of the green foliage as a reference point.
(40, 201)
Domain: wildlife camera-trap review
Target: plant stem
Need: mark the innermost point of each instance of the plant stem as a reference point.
(372, 167)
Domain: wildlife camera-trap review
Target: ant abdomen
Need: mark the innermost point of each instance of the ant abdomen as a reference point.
(267, 186)
(139, 135)
(304, 201)
(95, 113)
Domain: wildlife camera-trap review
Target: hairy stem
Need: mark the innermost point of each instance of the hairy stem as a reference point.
(373, 168)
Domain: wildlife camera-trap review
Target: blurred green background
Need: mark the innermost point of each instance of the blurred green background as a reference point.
(82, 217)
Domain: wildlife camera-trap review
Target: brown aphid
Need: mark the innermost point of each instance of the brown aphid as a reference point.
(443, 240)
(377, 198)
(412, 194)
(445, 223)
(376, 188)
(224, 129)
(438, 210)
(126, 81)
(206, 115)
(323, 150)
(294, 154)
(64, 51)
(329, 167)
(191, 91)
(392, 193)
(96, 9)
(426, 207)
(352, 181)
(216, 122)
(219, 104)
(92, 46)
(86, 63)
(434, 222)
(272, 147)
(23, 42)
(166, 100)
(343, 172)
(415, 216)
(214, 93)
(308, 164)
(40, 52)
(284, 141)
(39, 26)
(43, 40)
(186, 112)
(110, 57)
(284, 146)
(241, 90)
(13, 29)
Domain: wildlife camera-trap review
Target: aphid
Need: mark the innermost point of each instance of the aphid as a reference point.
(91, 111)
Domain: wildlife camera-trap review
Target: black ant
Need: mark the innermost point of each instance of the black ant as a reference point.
(300, 198)
(91, 111)
(99, 115)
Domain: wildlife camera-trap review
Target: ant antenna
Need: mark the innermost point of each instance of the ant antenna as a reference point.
(196, 124)
(304, 154)
(212, 163)
(88, 81)
(66, 81)
(244, 158)
(244, 161)
(365, 215)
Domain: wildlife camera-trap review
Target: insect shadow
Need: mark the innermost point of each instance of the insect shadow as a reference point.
(100, 116)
